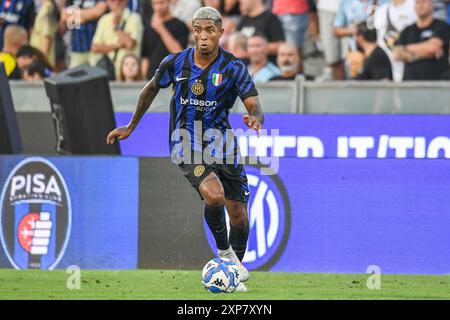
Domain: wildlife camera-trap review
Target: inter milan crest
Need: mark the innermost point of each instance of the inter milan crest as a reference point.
(199, 170)
(216, 79)
(197, 88)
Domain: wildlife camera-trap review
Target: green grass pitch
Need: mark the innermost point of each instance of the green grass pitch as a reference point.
(181, 285)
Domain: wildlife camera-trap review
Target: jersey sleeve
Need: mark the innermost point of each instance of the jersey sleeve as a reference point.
(164, 73)
(244, 85)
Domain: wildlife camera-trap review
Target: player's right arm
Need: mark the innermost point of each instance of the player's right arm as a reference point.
(146, 98)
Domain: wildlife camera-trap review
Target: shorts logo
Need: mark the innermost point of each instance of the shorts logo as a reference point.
(197, 88)
(199, 170)
(35, 215)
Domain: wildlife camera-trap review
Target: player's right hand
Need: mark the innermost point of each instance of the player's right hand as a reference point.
(119, 133)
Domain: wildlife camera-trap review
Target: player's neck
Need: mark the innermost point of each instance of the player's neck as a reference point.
(203, 60)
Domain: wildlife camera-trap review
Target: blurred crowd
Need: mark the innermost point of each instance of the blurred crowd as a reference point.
(357, 39)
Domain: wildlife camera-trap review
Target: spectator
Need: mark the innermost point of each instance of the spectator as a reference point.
(377, 65)
(237, 45)
(118, 32)
(257, 20)
(294, 16)
(165, 34)
(350, 13)
(44, 30)
(424, 45)
(28, 54)
(261, 69)
(130, 70)
(288, 61)
(390, 19)
(12, 13)
(34, 72)
(15, 37)
(82, 34)
(327, 10)
(184, 10)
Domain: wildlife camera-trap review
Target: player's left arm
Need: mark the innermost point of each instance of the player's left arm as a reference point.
(255, 117)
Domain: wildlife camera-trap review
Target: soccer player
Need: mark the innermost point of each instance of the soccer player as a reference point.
(206, 81)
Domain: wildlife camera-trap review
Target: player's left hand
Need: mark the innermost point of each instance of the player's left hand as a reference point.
(252, 122)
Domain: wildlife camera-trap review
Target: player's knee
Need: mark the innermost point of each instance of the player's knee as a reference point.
(215, 198)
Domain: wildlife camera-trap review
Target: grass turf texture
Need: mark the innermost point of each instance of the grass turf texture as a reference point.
(180, 285)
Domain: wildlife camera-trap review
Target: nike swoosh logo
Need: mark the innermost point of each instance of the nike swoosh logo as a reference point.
(180, 79)
(247, 193)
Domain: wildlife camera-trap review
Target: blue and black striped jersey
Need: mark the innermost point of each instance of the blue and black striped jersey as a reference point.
(203, 97)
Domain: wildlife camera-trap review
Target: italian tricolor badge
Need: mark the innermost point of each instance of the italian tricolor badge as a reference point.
(216, 79)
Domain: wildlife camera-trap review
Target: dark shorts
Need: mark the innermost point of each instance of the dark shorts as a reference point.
(233, 179)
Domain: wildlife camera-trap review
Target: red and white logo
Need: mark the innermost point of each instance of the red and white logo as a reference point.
(34, 232)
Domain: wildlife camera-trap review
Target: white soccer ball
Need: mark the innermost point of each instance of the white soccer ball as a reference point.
(220, 276)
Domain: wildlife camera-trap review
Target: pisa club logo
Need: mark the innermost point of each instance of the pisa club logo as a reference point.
(269, 217)
(35, 216)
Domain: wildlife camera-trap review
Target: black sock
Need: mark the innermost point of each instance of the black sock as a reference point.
(215, 218)
(238, 240)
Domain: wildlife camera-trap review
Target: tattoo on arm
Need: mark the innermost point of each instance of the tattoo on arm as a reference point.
(146, 98)
(254, 108)
(258, 111)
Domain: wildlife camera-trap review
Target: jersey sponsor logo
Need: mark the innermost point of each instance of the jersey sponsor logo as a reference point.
(199, 103)
(216, 79)
(269, 220)
(197, 88)
(35, 215)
